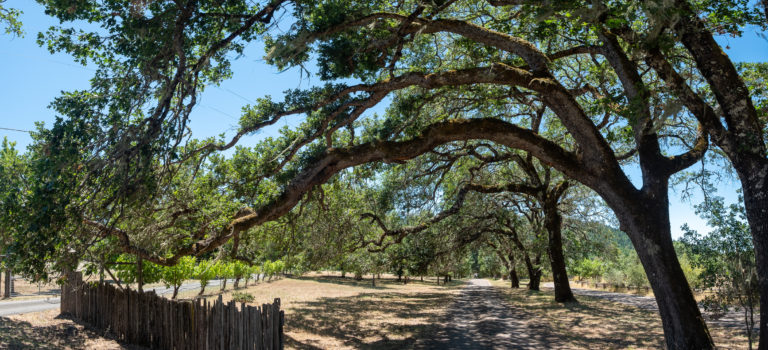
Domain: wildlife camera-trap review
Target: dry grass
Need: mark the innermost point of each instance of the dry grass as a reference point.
(600, 324)
(47, 330)
(325, 312)
(643, 292)
(23, 289)
(328, 312)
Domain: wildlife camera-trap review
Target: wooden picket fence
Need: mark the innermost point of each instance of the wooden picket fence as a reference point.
(155, 322)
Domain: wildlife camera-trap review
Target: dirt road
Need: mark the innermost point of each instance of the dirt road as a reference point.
(481, 319)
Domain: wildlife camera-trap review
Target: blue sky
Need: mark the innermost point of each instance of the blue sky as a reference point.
(32, 78)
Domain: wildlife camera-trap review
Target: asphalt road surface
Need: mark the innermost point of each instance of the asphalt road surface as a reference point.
(35, 305)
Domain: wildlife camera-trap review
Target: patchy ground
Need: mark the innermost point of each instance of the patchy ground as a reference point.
(333, 313)
(329, 312)
(479, 318)
(596, 323)
(23, 289)
(47, 330)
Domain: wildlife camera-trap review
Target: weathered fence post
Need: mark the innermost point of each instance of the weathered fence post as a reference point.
(152, 321)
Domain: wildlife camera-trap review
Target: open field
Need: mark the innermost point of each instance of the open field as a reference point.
(601, 324)
(335, 313)
(328, 312)
(24, 289)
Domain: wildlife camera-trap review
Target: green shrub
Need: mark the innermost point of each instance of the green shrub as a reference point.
(615, 277)
(242, 297)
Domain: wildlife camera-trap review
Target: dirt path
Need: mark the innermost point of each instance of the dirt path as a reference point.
(480, 319)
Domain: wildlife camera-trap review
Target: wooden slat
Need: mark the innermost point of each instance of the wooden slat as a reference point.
(155, 322)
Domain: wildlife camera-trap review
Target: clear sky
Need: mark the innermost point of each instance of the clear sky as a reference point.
(32, 78)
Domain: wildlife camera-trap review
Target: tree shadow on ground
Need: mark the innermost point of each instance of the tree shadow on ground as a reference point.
(15, 334)
(347, 281)
(365, 321)
(593, 322)
(381, 284)
(480, 319)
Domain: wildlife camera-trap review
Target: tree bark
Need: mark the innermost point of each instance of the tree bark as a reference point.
(534, 273)
(175, 292)
(646, 221)
(8, 281)
(237, 282)
(223, 283)
(553, 223)
(754, 181)
(534, 281)
(514, 280)
(741, 138)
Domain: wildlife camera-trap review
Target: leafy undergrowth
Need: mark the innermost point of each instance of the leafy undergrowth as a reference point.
(601, 324)
(47, 330)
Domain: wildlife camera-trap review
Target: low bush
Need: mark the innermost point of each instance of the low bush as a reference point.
(242, 297)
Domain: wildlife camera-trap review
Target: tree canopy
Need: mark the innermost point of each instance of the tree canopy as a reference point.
(531, 96)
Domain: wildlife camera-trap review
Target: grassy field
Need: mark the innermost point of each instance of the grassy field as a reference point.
(600, 324)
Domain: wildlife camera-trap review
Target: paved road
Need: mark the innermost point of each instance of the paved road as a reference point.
(481, 319)
(24, 306)
(36, 305)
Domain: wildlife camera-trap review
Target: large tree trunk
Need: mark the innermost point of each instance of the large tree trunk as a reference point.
(754, 180)
(740, 138)
(553, 223)
(646, 221)
(8, 281)
(514, 280)
(534, 273)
